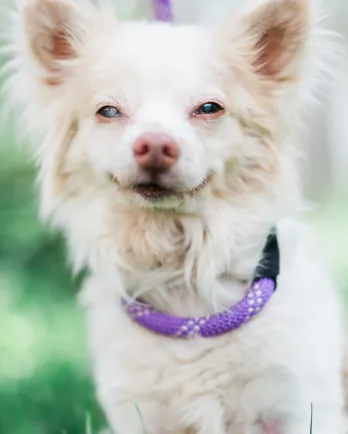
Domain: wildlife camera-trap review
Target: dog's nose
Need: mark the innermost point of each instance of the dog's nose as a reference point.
(156, 152)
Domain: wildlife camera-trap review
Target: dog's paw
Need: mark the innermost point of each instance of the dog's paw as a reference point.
(270, 428)
(264, 427)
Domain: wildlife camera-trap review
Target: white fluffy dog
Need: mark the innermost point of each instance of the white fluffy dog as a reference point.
(166, 156)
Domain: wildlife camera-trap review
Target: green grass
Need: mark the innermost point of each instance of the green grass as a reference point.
(45, 382)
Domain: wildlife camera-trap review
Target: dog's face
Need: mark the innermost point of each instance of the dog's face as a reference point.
(156, 115)
(156, 123)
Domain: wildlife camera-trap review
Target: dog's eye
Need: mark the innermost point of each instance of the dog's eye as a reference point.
(109, 112)
(209, 108)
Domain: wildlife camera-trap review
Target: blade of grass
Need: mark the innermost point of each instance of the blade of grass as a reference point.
(88, 424)
(141, 418)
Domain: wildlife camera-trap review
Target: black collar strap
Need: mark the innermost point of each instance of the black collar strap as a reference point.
(269, 265)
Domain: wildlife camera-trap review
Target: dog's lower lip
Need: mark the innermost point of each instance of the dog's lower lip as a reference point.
(152, 191)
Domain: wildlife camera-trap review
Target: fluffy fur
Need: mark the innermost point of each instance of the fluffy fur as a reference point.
(195, 252)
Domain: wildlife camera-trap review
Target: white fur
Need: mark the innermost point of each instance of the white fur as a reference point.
(190, 255)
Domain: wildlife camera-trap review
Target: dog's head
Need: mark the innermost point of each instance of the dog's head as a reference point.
(160, 116)
(138, 119)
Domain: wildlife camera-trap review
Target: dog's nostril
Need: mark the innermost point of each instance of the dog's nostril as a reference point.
(141, 149)
(170, 151)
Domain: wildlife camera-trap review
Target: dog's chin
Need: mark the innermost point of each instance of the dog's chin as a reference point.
(158, 196)
(167, 202)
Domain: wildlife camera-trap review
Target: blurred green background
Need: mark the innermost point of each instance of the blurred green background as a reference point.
(45, 384)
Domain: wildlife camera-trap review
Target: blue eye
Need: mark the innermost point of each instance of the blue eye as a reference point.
(109, 112)
(209, 108)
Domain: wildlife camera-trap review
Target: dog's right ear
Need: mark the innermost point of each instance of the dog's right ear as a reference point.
(54, 30)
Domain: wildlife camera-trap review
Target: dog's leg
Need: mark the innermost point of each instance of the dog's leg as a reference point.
(276, 403)
(204, 414)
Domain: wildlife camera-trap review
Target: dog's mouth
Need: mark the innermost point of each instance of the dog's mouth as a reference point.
(153, 191)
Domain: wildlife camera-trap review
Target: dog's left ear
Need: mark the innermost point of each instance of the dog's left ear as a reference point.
(274, 35)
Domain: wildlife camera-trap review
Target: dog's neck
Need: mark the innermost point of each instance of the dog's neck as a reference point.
(190, 265)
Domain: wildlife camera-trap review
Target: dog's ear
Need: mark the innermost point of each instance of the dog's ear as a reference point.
(279, 29)
(54, 30)
(275, 34)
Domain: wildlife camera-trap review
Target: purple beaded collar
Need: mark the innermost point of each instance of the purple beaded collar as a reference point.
(206, 326)
(256, 298)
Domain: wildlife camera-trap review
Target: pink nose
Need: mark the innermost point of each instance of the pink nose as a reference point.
(156, 152)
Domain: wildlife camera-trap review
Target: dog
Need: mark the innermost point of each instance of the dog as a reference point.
(167, 155)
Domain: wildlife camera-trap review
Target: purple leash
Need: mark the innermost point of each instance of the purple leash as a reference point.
(163, 10)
